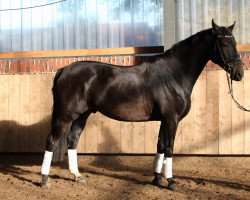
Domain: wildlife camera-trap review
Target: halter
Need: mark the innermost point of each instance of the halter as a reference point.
(228, 71)
(226, 64)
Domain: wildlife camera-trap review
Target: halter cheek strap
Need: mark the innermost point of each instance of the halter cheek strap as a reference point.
(226, 64)
(222, 57)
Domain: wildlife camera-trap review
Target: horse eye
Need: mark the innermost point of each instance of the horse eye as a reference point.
(224, 45)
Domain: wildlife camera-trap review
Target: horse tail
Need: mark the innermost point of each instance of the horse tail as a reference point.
(59, 151)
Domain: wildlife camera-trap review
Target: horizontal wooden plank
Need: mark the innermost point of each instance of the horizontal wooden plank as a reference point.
(95, 52)
(83, 52)
(243, 47)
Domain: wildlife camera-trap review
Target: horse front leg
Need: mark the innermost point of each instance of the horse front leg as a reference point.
(165, 153)
(159, 158)
(169, 138)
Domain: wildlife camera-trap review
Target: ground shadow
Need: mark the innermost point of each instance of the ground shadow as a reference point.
(17, 173)
(112, 166)
(115, 162)
(227, 184)
(115, 176)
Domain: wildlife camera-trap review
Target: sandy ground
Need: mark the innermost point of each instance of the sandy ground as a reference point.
(126, 177)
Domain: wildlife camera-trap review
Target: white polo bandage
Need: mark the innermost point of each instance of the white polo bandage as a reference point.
(46, 162)
(167, 168)
(73, 167)
(159, 157)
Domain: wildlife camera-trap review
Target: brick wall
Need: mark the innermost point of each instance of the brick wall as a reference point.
(50, 65)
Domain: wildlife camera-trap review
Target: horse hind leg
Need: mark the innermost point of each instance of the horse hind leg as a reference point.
(58, 129)
(72, 141)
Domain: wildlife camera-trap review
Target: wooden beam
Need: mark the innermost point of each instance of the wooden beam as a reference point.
(243, 47)
(95, 52)
(83, 52)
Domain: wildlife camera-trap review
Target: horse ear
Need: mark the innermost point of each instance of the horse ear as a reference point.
(215, 27)
(231, 28)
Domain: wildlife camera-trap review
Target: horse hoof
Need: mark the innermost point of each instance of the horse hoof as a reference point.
(80, 179)
(157, 182)
(173, 186)
(45, 184)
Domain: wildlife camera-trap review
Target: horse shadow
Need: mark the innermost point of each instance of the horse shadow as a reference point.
(16, 140)
(10, 161)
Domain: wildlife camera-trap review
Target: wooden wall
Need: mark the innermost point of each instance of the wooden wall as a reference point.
(214, 125)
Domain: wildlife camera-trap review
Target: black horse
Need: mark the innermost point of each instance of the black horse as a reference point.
(158, 89)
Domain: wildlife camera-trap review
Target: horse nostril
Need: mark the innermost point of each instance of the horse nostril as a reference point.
(239, 75)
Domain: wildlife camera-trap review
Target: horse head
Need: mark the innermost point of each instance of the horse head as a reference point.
(225, 53)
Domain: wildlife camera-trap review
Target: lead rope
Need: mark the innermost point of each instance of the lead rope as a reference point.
(230, 86)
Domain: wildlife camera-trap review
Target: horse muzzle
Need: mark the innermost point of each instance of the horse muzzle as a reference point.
(237, 71)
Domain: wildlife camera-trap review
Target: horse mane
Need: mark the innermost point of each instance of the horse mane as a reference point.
(183, 45)
(188, 42)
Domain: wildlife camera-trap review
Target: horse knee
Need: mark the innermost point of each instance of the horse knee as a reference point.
(168, 153)
(72, 140)
(160, 146)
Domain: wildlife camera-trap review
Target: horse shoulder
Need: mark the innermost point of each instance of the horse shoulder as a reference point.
(170, 95)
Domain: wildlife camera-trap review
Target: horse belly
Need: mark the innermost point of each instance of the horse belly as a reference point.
(130, 111)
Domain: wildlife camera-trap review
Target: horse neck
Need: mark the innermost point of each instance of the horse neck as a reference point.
(192, 57)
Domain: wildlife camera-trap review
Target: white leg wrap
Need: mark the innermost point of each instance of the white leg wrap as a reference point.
(73, 167)
(167, 168)
(159, 157)
(46, 162)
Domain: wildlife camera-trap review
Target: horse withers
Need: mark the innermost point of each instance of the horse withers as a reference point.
(156, 90)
